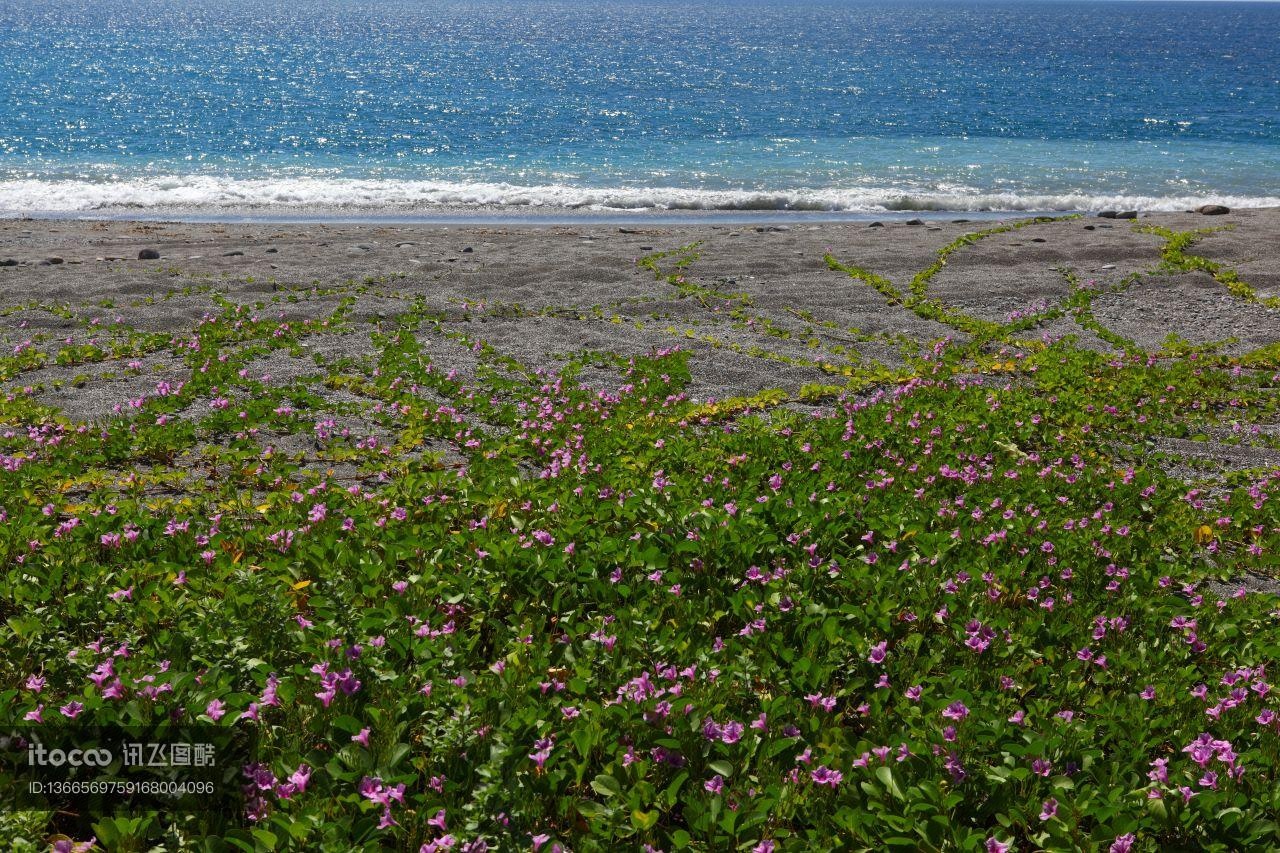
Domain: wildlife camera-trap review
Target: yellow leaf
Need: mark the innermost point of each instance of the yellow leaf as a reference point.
(303, 584)
(1204, 534)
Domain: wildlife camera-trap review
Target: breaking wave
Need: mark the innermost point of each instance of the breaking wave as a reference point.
(206, 194)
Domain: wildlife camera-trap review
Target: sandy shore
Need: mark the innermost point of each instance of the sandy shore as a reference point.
(539, 292)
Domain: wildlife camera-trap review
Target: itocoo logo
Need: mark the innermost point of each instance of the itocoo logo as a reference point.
(39, 756)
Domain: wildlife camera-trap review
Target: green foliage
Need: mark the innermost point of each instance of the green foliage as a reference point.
(918, 609)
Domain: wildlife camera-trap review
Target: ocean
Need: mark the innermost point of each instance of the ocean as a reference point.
(418, 107)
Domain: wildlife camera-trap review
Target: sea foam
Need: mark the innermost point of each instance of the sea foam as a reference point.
(205, 194)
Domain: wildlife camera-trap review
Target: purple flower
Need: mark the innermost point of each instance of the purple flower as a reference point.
(300, 778)
(1122, 844)
(824, 775)
(878, 653)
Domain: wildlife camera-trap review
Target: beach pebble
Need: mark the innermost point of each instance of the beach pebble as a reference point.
(235, 254)
(628, 231)
(273, 250)
(1038, 240)
(1106, 214)
(468, 250)
(149, 255)
(959, 221)
(1213, 209)
(8, 262)
(404, 245)
(1127, 214)
(876, 225)
(915, 221)
(761, 229)
(53, 261)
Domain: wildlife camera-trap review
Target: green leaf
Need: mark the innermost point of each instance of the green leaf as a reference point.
(606, 786)
(885, 775)
(265, 838)
(722, 768)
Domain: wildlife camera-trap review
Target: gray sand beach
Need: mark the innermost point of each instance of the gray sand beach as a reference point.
(538, 293)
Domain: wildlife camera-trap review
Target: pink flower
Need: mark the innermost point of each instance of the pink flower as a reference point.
(1048, 809)
(955, 711)
(361, 737)
(714, 785)
(71, 710)
(215, 710)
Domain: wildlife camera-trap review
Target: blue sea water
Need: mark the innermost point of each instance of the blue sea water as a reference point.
(412, 106)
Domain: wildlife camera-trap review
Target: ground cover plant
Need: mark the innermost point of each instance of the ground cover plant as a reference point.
(950, 605)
